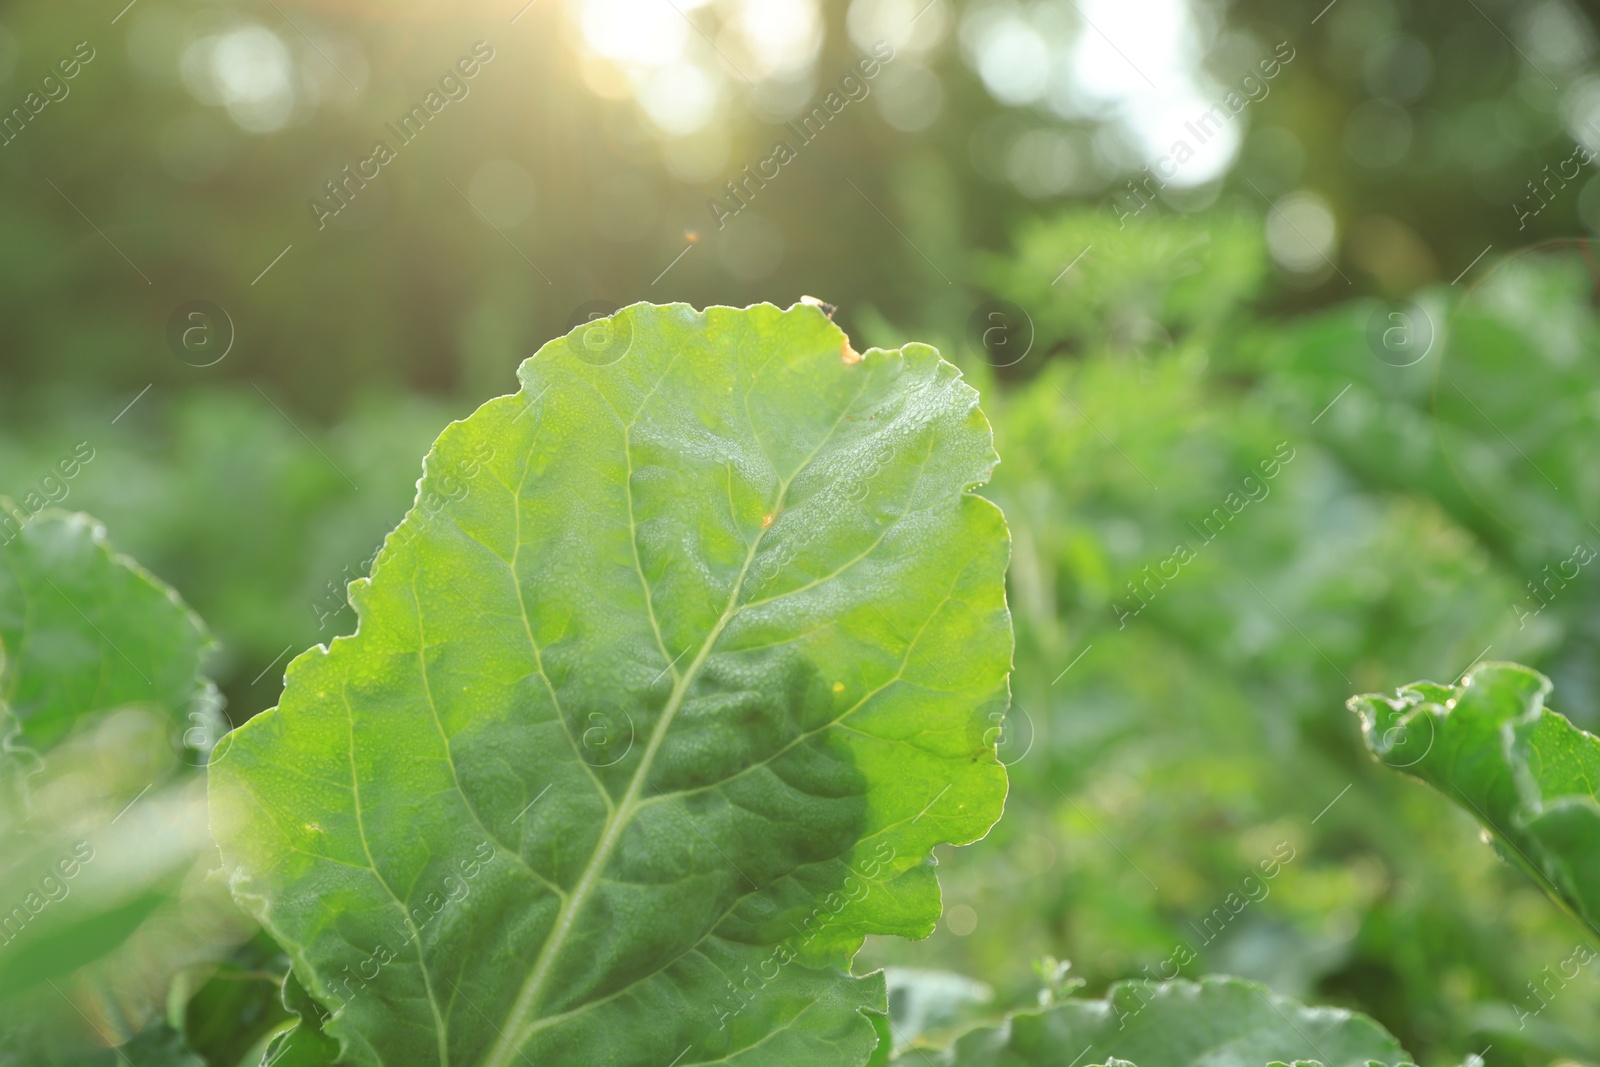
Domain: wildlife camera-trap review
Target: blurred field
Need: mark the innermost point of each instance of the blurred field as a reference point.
(1306, 410)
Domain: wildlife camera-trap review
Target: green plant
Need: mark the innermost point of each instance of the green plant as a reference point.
(720, 618)
(105, 718)
(1528, 775)
(1221, 1022)
(686, 657)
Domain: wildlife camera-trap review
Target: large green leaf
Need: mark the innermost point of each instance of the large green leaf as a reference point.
(1525, 772)
(685, 658)
(1216, 1022)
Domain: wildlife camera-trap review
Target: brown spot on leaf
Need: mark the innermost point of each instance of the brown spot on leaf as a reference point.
(811, 301)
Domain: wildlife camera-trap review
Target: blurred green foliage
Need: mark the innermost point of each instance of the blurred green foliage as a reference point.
(101, 699)
(1171, 734)
(1177, 725)
(1420, 124)
(1158, 758)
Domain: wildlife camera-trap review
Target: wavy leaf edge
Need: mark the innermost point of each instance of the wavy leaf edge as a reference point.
(919, 876)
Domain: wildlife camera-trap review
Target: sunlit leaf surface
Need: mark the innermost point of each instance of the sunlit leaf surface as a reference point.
(687, 655)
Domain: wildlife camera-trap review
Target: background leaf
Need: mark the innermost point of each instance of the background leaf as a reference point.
(87, 630)
(1219, 1022)
(1527, 774)
(104, 899)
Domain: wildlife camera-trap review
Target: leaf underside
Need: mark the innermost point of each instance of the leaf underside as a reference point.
(685, 658)
(1525, 772)
(1218, 1022)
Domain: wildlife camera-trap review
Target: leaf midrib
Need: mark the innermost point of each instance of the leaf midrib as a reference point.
(527, 999)
(838, 721)
(519, 1020)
